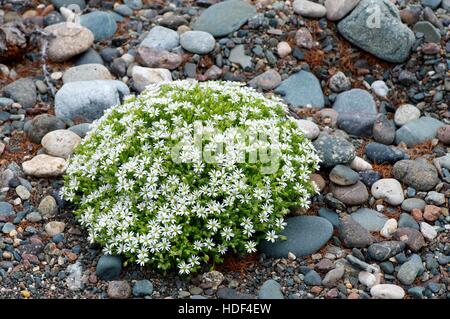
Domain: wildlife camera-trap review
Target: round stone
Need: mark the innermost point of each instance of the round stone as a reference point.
(380, 88)
(343, 175)
(23, 192)
(418, 174)
(305, 236)
(48, 206)
(199, 42)
(388, 189)
(109, 267)
(142, 288)
(387, 291)
(413, 203)
(406, 113)
(270, 290)
(44, 166)
(339, 82)
(87, 72)
(41, 125)
(60, 143)
(351, 195)
(443, 134)
(428, 231)
(309, 128)
(309, 9)
(119, 289)
(334, 150)
(283, 49)
(389, 228)
(266, 81)
(54, 227)
(142, 77)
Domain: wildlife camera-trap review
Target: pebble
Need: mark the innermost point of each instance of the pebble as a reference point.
(23, 192)
(143, 77)
(411, 203)
(337, 9)
(88, 99)
(357, 112)
(343, 175)
(411, 237)
(268, 80)
(409, 270)
(360, 165)
(302, 89)
(142, 288)
(238, 56)
(34, 217)
(69, 40)
(223, 18)
(309, 128)
(435, 198)
(387, 291)
(431, 34)
(351, 195)
(380, 153)
(48, 206)
(87, 72)
(334, 150)
(119, 289)
(309, 9)
(418, 131)
(354, 235)
(312, 278)
(101, 24)
(333, 276)
(283, 49)
(54, 227)
(406, 113)
(109, 267)
(60, 143)
(383, 130)
(199, 42)
(408, 221)
(389, 228)
(90, 56)
(157, 58)
(370, 219)
(418, 174)
(22, 91)
(380, 88)
(44, 166)
(428, 231)
(388, 189)
(443, 134)
(339, 82)
(270, 290)
(311, 231)
(367, 279)
(385, 250)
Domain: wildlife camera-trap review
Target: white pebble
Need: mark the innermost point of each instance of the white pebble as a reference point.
(428, 231)
(389, 228)
(358, 164)
(387, 291)
(380, 88)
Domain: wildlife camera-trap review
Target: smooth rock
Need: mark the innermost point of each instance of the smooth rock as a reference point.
(330, 215)
(54, 227)
(66, 3)
(430, 33)
(418, 174)
(109, 267)
(383, 35)
(387, 291)
(360, 165)
(410, 203)
(161, 38)
(343, 175)
(22, 91)
(87, 72)
(143, 77)
(199, 42)
(351, 195)
(48, 207)
(312, 278)
(89, 57)
(367, 279)
(380, 153)
(354, 235)
(339, 82)
(88, 99)
(407, 221)
(119, 289)
(409, 270)
(224, 18)
(333, 276)
(270, 290)
(443, 134)
(406, 113)
(309, 9)
(357, 112)
(411, 237)
(142, 288)
(385, 250)
(380, 88)
(418, 131)
(370, 219)
(60, 143)
(266, 81)
(101, 24)
(388, 189)
(309, 128)
(44, 166)
(157, 58)
(337, 9)
(389, 228)
(383, 130)
(334, 150)
(238, 56)
(69, 40)
(428, 231)
(302, 89)
(305, 235)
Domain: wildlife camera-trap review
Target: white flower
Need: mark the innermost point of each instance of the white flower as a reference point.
(271, 236)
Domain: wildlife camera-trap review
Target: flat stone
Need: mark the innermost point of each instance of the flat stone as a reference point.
(343, 175)
(309, 9)
(332, 277)
(270, 290)
(224, 18)
(334, 150)
(407, 221)
(351, 195)
(418, 131)
(157, 58)
(354, 235)
(387, 291)
(69, 40)
(431, 33)
(380, 153)
(370, 219)
(161, 38)
(101, 24)
(87, 72)
(357, 112)
(386, 37)
(418, 174)
(238, 56)
(388, 189)
(411, 237)
(143, 77)
(409, 270)
(305, 236)
(44, 166)
(312, 278)
(302, 89)
(385, 250)
(88, 99)
(337, 9)
(22, 91)
(268, 80)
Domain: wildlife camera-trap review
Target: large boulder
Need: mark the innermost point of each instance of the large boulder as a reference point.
(375, 26)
